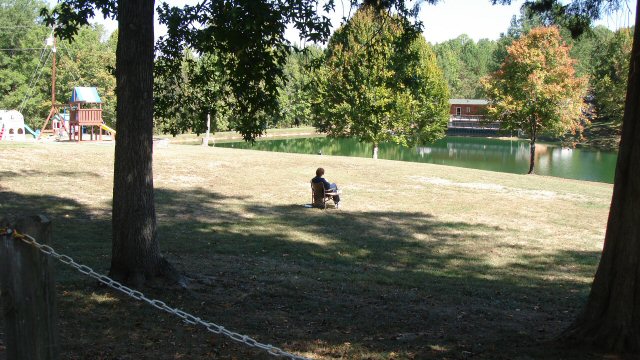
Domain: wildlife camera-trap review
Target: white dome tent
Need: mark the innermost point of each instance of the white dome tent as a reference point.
(11, 126)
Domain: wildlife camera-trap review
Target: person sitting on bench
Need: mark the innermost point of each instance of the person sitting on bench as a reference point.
(327, 185)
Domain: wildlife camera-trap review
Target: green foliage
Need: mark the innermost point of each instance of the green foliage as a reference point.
(600, 55)
(585, 47)
(582, 46)
(536, 88)
(576, 16)
(89, 61)
(294, 96)
(25, 74)
(610, 75)
(247, 38)
(183, 102)
(183, 99)
(377, 86)
(464, 63)
(518, 27)
(21, 31)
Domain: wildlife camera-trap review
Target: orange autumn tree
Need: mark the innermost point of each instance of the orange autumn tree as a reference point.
(536, 89)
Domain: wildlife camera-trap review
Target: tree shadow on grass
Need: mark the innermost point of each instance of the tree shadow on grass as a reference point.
(77, 230)
(400, 282)
(330, 283)
(4, 174)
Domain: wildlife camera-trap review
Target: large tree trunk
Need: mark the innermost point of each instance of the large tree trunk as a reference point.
(375, 150)
(135, 253)
(611, 318)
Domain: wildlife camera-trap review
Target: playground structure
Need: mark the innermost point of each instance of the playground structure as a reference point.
(60, 124)
(86, 113)
(82, 116)
(108, 129)
(12, 127)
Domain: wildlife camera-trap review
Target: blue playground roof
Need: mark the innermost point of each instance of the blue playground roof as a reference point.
(85, 94)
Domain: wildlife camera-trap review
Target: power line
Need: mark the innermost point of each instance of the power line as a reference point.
(33, 83)
(73, 74)
(22, 49)
(20, 26)
(38, 70)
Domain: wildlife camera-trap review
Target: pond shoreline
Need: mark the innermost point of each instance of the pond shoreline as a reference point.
(509, 155)
(309, 132)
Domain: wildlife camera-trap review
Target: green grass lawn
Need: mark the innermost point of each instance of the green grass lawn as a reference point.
(228, 136)
(420, 262)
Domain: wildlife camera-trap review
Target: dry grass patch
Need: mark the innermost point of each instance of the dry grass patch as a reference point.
(422, 261)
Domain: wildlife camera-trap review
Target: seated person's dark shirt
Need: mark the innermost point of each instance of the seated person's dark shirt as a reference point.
(325, 183)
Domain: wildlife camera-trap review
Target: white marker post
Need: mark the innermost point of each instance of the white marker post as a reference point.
(205, 141)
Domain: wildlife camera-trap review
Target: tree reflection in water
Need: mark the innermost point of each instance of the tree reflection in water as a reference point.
(510, 156)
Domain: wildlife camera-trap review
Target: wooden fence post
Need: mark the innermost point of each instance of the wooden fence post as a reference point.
(27, 292)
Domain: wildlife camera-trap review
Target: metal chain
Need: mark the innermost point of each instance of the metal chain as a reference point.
(186, 317)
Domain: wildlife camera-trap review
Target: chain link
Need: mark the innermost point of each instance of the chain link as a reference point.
(158, 304)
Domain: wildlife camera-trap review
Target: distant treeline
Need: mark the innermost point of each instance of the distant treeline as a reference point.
(25, 73)
(600, 54)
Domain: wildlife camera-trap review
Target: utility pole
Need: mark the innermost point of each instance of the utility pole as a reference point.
(53, 70)
(51, 41)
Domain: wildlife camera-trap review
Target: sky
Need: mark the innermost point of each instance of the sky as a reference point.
(446, 20)
(481, 20)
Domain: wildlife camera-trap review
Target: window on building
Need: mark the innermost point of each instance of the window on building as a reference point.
(468, 109)
(458, 111)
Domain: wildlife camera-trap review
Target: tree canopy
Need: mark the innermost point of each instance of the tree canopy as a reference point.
(184, 98)
(536, 89)
(576, 16)
(182, 102)
(378, 86)
(610, 75)
(464, 62)
(247, 38)
(295, 96)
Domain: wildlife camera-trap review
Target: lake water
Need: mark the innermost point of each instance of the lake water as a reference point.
(510, 156)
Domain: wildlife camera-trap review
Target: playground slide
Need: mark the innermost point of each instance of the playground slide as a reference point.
(34, 133)
(105, 127)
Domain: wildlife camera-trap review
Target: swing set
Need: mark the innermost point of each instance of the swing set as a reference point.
(81, 115)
